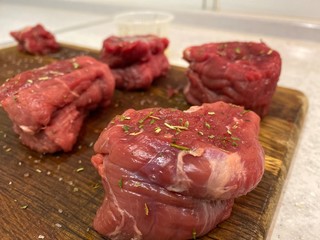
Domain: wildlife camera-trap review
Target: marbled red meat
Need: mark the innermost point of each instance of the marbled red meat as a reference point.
(169, 173)
(35, 40)
(242, 73)
(47, 105)
(120, 52)
(135, 60)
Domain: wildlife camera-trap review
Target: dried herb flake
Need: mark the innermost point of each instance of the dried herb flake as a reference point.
(146, 209)
(125, 128)
(180, 147)
(120, 183)
(157, 130)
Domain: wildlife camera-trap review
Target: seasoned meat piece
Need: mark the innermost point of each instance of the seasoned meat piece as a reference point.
(242, 73)
(120, 52)
(171, 174)
(141, 76)
(47, 105)
(135, 60)
(35, 40)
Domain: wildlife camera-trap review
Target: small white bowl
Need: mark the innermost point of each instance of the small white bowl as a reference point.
(141, 23)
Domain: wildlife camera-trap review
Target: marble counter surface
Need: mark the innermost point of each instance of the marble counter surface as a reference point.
(298, 216)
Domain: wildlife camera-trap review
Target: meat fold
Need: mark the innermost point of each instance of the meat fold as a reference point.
(35, 40)
(242, 73)
(135, 60)
(141, 76)
(47, 105)
(120, 52)
(171, 174)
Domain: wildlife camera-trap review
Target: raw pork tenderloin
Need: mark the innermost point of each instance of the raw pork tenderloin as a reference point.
(35, 40)
(171, 174)
(47, 105)
(242, 73)
(135, 60)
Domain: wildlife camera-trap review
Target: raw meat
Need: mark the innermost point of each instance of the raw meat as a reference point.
(47, 105)
(135, 60)
(120, 52)
(140, 76)
(242, 73)
(35, 40)
(171, 174)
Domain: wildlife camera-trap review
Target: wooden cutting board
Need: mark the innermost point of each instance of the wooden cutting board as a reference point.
(55, 196)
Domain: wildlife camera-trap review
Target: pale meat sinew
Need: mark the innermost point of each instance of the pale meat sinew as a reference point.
(35, 40)
(171, 174)
(242, 73)
(135, 60)
(47, 105)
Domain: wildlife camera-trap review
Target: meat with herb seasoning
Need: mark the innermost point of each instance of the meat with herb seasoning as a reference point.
(242, 73)
(35, 40)
(135, 60)
(171, 174)
(47, 105)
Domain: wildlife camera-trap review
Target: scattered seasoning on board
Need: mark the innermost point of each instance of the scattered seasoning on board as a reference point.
(58, 225)
(24, 207)
(80, 169)
(26, 174)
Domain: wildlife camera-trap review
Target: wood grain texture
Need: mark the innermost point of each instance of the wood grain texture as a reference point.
(56, 195)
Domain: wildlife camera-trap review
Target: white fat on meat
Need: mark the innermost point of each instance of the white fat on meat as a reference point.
(26, 129)
(182, 182)
(224, 166)
(224, 169)
(125, 216)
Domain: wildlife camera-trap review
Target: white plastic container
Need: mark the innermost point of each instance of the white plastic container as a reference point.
(144, 22)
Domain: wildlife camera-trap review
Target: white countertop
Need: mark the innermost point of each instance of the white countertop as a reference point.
(298, 215)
